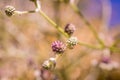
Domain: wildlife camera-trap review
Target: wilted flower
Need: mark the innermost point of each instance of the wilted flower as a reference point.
(71, 42)
(9, 10)
(58, 47)
(69, 29)
(49, 64)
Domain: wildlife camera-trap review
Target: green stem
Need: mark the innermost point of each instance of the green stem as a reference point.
(75, 8)
(53, 23)
(112, 48)
(37, 4)
(90, 46)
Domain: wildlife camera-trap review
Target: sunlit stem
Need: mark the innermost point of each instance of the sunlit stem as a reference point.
(53, 23)
(24, 12)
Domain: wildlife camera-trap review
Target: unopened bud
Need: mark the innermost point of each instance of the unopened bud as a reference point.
(71, 42)
(9, 10)
(49, 64)
(69, 29)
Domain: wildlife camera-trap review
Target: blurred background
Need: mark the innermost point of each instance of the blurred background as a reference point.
(25, 40)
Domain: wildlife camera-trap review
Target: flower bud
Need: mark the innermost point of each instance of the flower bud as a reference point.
(9, 10)
(69, 29)
(46, 64)
(58, 47)
(53, 61)
(71, 42)
(49, 64)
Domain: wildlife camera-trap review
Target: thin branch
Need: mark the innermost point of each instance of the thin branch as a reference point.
(106, 14)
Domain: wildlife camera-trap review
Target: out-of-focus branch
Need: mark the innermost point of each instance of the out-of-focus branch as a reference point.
(106, 14)
(75, 8)
(115, 49)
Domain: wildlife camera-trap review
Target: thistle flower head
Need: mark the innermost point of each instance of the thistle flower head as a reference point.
(71, 42)
(58, 47)
(69, 29)
(49, 64)
(9, 10)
